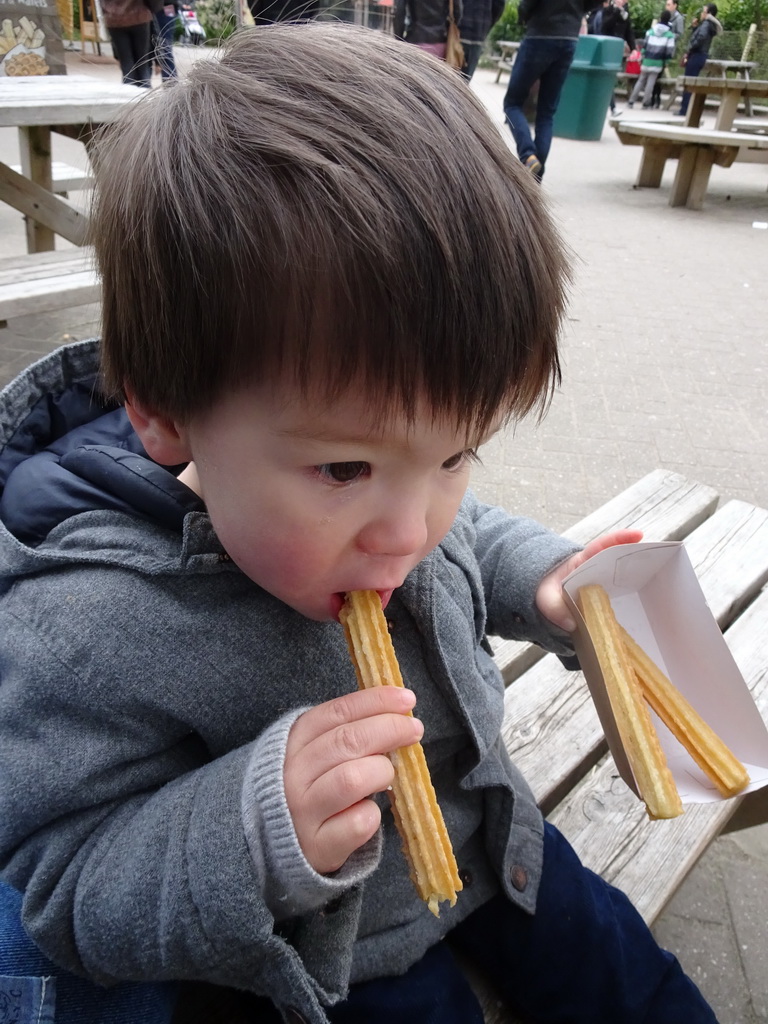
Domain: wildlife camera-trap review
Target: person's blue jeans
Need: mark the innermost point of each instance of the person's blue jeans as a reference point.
(472, 54)
(545, 61)
(34, 991)
(165, 29)
(693, 66)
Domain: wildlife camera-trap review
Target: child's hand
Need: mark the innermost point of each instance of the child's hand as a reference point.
(549, 596)
(335, 760)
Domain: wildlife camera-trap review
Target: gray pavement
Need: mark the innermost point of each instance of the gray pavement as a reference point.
(664, 365)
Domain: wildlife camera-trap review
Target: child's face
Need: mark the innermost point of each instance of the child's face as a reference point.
(311, 500)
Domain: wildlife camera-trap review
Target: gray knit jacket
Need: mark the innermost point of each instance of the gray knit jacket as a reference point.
(148, 687)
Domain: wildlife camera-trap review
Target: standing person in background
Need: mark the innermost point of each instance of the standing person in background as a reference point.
(425, 23)
(545, 56)
(676, 20)
(129, 24)
(165, 18)
(677, 27)
(477, 19)
(658, 48)
(617, 22)
(705, 29)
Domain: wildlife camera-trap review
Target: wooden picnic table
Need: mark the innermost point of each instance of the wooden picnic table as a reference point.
(741, 67)
(731, 92)
(506, 59)
(74, 105)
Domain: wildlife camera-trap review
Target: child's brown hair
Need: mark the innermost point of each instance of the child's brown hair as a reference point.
(333, 206)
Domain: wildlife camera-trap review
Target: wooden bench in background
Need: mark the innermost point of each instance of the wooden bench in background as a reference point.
(696, 151)
(65, 178)
(552, 731)
(42, 282)
(506, 58)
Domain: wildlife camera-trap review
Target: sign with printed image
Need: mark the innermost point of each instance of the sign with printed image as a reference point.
(30, 39)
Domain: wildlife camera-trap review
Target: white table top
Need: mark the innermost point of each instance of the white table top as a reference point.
(62, 99)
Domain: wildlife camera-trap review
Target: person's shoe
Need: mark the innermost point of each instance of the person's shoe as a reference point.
(533, 164)
(630, 104)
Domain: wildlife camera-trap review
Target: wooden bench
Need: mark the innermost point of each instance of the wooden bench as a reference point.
(46, 281)
(65, 178)
(552, 731)
(507, 56)
(696, 151)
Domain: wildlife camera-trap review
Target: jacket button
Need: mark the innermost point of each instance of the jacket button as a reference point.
(293, 1016)
(518, 876)
(466, 877)
(518, 618)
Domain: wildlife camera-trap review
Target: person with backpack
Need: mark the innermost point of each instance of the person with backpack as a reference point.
(658, 48)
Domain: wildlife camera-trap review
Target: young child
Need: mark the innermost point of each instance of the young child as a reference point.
(658, 48)
(326, 282)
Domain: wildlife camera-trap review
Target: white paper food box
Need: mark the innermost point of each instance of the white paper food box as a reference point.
(657, 598)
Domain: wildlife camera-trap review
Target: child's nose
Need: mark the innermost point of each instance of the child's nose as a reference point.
(399, 532)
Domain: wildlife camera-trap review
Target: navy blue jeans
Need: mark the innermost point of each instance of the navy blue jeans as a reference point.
(545, 61)
(693, 66)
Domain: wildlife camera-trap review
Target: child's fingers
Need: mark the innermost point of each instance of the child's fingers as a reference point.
(349, 743)
(609, 540)
(351, 708)
(349, 783)
(341, 835)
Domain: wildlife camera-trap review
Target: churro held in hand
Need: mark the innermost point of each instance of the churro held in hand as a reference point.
(649, 765)
(419, 821)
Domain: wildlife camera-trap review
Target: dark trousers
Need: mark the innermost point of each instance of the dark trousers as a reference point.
(547, 62)
(693, 66)
(133, 48)
(164, 31)
(585, 957)
(472, 54)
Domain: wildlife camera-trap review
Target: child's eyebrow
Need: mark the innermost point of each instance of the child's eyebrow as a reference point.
(323, 436)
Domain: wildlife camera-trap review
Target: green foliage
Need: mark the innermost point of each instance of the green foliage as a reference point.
(507, 27)
(217, 17)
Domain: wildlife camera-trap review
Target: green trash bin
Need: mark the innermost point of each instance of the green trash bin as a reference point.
(587, 91)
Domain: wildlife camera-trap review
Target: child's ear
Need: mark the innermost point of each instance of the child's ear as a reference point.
(164, 441)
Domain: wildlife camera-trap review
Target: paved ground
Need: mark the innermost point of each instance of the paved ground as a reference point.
(664, 365)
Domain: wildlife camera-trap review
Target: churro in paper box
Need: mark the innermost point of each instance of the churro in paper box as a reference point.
(657, 598)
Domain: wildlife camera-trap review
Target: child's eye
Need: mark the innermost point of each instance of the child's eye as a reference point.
(460, 459)
(343, 472)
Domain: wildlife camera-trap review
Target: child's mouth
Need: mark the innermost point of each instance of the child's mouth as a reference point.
(337, 600)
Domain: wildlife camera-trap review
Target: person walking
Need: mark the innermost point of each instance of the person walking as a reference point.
(705, 29)
(129, 24)
(658, 48)
(545, 55)
(477, 19)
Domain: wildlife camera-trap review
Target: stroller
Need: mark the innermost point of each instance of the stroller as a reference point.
(193, 32)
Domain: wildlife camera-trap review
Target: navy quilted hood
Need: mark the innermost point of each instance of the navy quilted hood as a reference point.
(64, 451)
